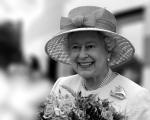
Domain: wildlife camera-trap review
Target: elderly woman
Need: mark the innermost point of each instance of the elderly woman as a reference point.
(89, 43)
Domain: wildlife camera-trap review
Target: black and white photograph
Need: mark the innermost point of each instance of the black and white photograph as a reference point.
(74, 60)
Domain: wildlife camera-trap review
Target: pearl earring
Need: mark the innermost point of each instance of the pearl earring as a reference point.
(108, 59)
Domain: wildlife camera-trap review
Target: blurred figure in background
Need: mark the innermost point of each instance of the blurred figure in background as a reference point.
(29, 88)
(8, 54)
(22, 85)
(24, 90)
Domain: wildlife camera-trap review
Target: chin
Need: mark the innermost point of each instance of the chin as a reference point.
(86, 74)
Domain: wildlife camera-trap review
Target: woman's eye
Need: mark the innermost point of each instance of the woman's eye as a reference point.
(90, 46)
(75, 47)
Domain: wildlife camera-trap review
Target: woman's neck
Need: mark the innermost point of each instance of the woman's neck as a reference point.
(97, 81)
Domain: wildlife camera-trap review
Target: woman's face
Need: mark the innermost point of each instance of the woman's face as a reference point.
(87, 53)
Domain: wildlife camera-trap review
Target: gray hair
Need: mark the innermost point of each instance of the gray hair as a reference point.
(109, 43)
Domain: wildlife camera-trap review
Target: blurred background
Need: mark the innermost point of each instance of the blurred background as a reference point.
(27, 74)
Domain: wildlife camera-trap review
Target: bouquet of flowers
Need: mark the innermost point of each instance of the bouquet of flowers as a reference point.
(77, 107)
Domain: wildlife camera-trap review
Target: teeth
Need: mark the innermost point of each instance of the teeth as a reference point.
(85, 64)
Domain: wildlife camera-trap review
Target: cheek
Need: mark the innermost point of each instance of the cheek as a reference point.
(101, 58)
(73, 62)
(73, 56)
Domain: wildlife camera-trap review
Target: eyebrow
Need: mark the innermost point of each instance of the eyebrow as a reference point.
(74, 44)
(91, 42)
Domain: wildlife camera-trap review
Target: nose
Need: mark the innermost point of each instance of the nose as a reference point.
(83, 53)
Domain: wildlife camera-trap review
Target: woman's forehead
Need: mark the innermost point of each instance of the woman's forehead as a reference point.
(85, 36)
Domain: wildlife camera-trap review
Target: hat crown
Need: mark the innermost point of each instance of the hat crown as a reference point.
(97, 17)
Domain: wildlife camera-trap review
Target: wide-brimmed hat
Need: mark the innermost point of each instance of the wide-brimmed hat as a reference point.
(89, 18)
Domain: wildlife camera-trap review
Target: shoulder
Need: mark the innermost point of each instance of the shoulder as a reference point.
(139, 105)
(129, 86)
(69, 80)
(72, 82)
(132, 90)
(138, 99)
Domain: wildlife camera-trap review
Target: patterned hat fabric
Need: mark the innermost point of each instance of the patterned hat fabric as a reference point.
(89, 18)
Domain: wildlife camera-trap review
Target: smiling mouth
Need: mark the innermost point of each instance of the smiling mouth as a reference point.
(85, 64)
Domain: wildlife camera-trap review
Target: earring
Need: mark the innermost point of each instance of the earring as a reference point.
(108, 59)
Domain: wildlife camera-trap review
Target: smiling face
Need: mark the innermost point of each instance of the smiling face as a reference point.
(87, 53)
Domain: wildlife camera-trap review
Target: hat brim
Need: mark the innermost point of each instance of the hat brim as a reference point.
(122, 52)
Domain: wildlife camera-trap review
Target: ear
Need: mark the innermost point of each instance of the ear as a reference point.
(109, 55)
(110, 43)
(108, 58)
